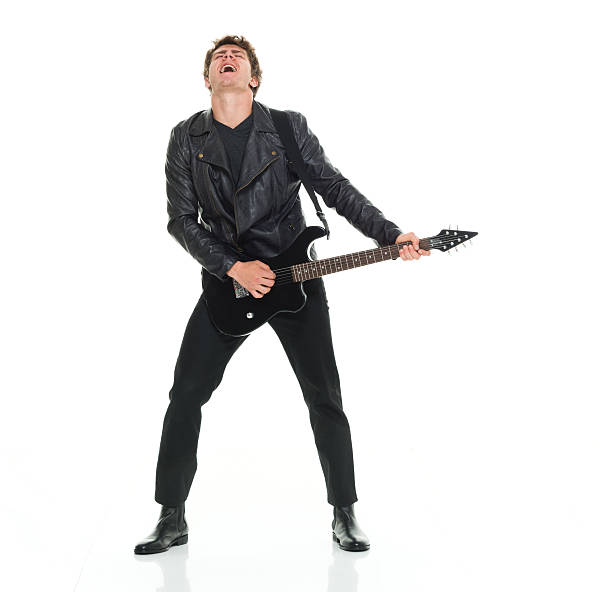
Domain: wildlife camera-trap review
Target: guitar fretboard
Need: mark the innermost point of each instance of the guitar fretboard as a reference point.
(316, 269)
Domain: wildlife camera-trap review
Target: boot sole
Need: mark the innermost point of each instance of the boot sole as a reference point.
(337, 540)
(180, 541)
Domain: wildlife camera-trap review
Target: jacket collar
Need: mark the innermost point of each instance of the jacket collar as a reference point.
(258, 154)
(262, 122)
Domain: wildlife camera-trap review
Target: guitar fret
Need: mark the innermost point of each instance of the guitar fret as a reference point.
(320, 267)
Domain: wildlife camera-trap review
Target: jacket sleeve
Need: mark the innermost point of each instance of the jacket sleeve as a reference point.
(215, 255)
(337, 191)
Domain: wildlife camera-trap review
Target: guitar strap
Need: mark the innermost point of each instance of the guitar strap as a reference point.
(295, 160)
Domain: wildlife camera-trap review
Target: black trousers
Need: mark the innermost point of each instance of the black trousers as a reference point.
(203, 356)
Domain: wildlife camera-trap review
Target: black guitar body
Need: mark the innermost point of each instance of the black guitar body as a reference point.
(237, 316)
(235, 312)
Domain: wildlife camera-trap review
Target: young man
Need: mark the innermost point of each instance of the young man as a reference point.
(232, 199)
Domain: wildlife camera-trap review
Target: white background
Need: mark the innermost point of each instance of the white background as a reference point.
(475, 383)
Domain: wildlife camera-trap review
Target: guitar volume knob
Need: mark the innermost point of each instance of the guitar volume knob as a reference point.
(249, 315)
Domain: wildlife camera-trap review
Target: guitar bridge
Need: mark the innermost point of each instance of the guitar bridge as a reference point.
(239, 290)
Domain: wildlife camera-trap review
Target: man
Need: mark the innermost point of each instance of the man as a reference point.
(232, 199)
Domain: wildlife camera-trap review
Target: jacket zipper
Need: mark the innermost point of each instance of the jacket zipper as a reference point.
(212, 201)
(246, 185)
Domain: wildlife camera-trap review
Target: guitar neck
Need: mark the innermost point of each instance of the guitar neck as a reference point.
(321, 267)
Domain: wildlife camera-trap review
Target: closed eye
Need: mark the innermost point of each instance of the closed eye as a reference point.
(236, 55)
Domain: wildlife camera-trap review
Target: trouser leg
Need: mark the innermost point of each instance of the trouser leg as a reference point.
(306, 338)
(201, 362)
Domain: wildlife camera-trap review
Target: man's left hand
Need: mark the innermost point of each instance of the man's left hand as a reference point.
(410, 251)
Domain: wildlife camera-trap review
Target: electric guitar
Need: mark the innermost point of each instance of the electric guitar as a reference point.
(235, 312)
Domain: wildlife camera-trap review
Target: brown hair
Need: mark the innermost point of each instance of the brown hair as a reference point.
(244, 44)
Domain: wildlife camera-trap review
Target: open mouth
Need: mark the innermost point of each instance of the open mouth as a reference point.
(228, 68)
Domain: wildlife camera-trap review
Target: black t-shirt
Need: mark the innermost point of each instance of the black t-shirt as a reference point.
(235, 141)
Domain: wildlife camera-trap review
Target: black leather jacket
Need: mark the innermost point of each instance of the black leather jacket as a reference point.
(268, 216)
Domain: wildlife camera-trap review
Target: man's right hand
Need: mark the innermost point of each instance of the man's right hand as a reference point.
(255, 276)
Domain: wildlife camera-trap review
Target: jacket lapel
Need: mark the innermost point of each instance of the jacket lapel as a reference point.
(212, 149)
(258, 152)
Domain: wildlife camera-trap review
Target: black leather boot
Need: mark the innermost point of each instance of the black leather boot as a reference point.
(346, 530)
(171, 530)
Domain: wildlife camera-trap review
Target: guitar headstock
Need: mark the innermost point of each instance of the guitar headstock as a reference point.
(448, 239)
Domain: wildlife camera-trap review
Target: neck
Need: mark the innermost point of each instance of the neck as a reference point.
(233, 107)
(320, 267)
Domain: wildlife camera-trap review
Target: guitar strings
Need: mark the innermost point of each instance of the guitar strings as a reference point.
(285, 274)
(332, 263)
(333, 260)
(359, 254)
(353, 256)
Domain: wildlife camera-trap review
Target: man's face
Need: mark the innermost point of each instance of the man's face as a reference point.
(229, 69)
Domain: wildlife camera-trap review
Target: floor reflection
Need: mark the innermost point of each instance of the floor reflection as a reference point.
(173, 566)
(342, 575)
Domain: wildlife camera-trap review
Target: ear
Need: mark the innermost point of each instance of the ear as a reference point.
(206, 83)
(254, 82)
